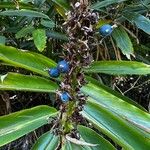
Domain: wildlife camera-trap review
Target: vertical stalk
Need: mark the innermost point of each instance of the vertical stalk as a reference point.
(79, 28)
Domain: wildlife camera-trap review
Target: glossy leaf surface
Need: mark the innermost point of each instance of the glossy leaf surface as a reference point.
(112, 102)
(119, 67)
(20, 123)
(139, 20)
(14, 81)
(91, 136)
(119, 130)
(25, 59)
(47, 141)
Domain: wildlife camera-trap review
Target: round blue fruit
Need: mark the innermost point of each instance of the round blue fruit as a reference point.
(64, 97)
(54, 72)
(63, 66)
(105, 30)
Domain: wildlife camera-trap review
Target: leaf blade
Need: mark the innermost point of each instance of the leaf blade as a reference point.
(15, 81)
(91, 136)
(101, 96)
(104, 3)
(119, 67)
(39, 37)
(123, 41)
(139, 20)
(47, 141)
(24, 13)
(123, 133)
(28, 60)
(20, 123)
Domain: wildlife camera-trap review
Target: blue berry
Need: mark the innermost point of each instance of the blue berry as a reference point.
(54, 72)
(63, 66)
(105, 30)
(64, 97)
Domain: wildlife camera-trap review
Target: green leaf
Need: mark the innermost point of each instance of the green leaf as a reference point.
(17, 124)
(63, 4)
(123, 41)
(2, 40)
(24, 31)
(104, 3)
(47, 141)
(140, 21)
(146, 1)
(115, 93)
(119, 130)
(32, 61)
(48, 23)
(12, 5)
(15, 81)
(62, 7)
(57, 35)
(103, 97)
(39, 37)
(91, 136)
(119, 67)
(24, 13)
(70, 146)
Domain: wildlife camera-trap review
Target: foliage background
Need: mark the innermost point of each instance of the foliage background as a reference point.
(44, 19)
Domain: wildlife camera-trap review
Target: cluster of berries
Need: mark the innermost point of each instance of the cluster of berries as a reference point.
(62, 67)
(106, 30)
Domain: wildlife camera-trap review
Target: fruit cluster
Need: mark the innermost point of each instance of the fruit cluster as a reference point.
(62, 67)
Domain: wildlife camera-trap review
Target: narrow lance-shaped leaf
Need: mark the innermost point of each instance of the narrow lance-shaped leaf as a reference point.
(119, 67)
(24, 13)
(123, 41)
(20, 123)
(47, 141)
(139, 20)
(104, 3)
(119, 130)
(29, 60)
(104, 97)
(12, 5)
(62, 7)
(39, 37)
(15, 81)
(91, 136)
(63, 4)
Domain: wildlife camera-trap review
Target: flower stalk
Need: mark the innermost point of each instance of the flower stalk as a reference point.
(77, 52)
